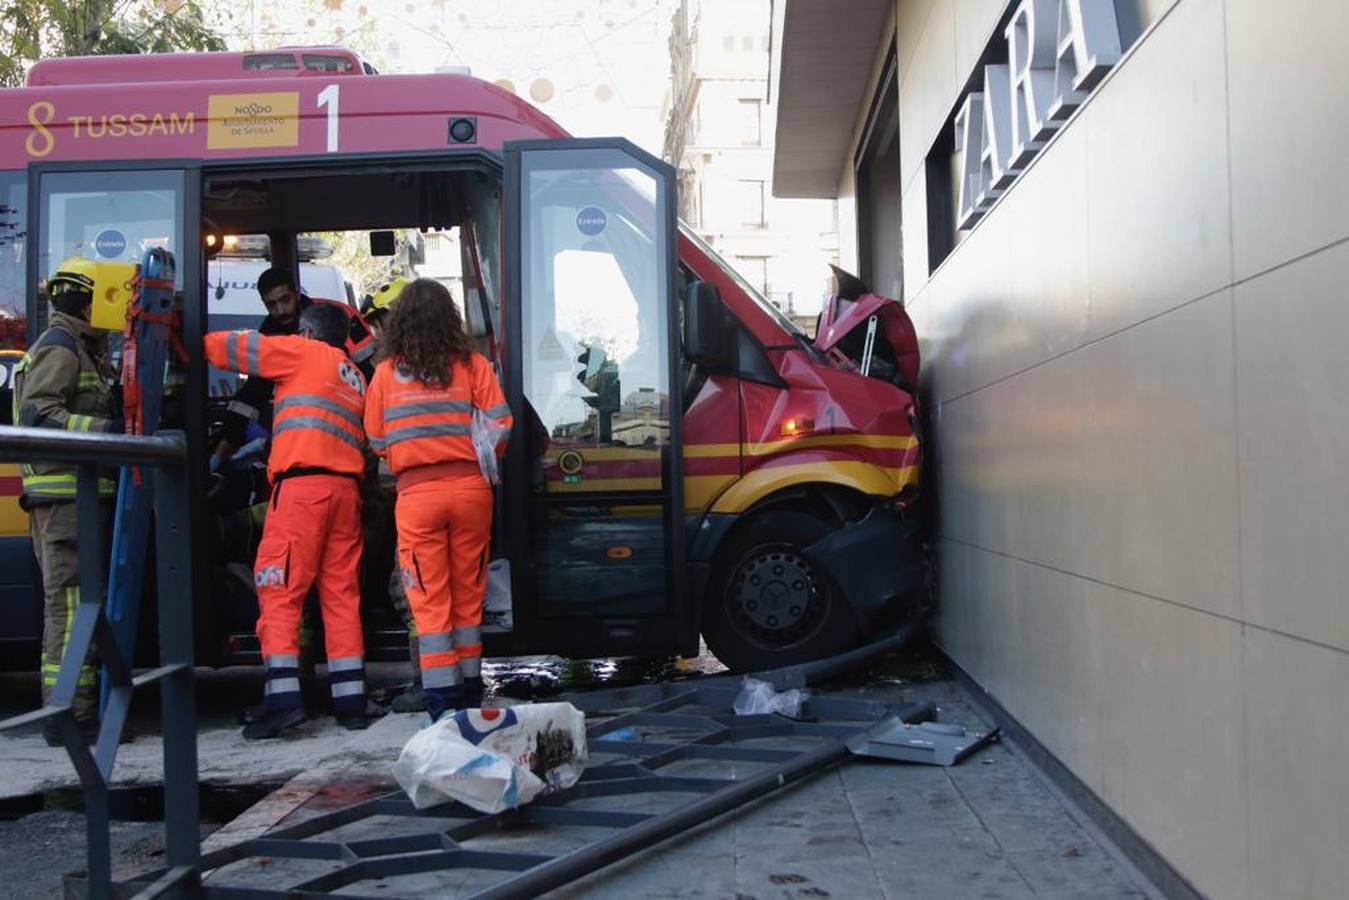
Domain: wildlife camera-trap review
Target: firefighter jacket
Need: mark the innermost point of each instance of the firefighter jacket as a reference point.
(63, 381)
(319, 398)
(252, 402)
(414, 424)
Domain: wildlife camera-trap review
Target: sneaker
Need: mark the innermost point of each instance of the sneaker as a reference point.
(272, 723)
(355, 721)
(411, 700)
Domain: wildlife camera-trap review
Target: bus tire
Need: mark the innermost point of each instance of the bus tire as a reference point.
(767, 605)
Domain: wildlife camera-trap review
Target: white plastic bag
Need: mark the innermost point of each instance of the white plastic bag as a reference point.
(494, 759)
(758, 698)
(487, 433)
(496, 604)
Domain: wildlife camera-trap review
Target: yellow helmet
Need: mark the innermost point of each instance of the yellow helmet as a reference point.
(75, 275)
(383, 298)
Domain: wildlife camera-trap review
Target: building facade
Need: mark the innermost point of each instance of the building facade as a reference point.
(1122, 232)
(719, 127)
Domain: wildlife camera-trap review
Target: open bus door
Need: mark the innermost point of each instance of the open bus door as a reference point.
(592, 483)
(115, 211)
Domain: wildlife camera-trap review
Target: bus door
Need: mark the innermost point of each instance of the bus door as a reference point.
(593, 482)
(114, 213)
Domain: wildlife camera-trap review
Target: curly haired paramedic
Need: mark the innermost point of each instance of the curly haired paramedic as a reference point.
(419, 415)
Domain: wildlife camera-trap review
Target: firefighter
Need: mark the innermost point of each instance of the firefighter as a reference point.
(64, 381)
(419, 416)
(312, 533)
(377, 306)
(253, 401)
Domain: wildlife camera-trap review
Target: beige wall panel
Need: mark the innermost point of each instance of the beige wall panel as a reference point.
(974, 26)
(910, 18)
(1297, 728)
(1048, 292)
(1157, 173)
(974, 282)
(928, 90)
(1172, 740)
(914, 212)
(996, 642)
(1292, 374)
(1163, 473)
(1048, 442)
(1058, 697)
(1288, 77)
(955, 616)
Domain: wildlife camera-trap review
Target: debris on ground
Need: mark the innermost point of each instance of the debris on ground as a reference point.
(494, 759)
(758, 698)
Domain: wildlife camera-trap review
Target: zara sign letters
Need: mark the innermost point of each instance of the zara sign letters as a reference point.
(1057, 52)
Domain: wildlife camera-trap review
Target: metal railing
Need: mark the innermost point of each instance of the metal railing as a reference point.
(165, 456)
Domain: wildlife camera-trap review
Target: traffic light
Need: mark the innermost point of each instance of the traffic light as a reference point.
(599, 374)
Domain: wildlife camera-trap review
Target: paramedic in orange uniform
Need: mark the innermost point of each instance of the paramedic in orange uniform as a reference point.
(418, 414)
(313, 527)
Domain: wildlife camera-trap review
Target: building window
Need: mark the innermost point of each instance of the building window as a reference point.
(751, 203)
(751, 122)
(747, 43)
(728, 43)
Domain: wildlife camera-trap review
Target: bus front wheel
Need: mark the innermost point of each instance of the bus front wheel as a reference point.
(767, 604)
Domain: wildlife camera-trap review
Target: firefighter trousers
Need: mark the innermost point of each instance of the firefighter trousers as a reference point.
(54, 528)
(312, 535)
(444, 539)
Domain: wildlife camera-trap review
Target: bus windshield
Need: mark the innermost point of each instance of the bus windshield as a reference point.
(760, 301)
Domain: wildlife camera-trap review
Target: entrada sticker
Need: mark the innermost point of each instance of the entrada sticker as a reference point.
(591, 221)
(110, 243)
(253, 120)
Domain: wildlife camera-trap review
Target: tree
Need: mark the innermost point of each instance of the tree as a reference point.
(31, 30)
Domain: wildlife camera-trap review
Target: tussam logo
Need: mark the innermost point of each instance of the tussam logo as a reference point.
(43, 120)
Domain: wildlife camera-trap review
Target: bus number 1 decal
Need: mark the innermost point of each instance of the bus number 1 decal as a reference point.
(328, 98)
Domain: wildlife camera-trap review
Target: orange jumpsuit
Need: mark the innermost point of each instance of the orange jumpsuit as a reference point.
(444, 515)
(313, 527)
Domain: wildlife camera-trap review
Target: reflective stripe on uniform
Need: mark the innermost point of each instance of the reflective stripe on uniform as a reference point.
(500, 411)
(441, 676)
(412, 432)
(61, 486)
(468, 636)
(437, 642)
(282, 661)
(281, 686)
(348, 688)
(252, 345)
(314, 401)
(345, 663)
(377, 443)
(428, 408)
(311, 423)
(232, 352)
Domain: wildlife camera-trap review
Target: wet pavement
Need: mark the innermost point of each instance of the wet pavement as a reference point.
(990, 827)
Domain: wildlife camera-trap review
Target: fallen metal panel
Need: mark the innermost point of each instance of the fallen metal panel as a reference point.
(930, 743)
(684, 724)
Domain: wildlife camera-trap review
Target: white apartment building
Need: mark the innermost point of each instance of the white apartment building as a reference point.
(719, 127)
